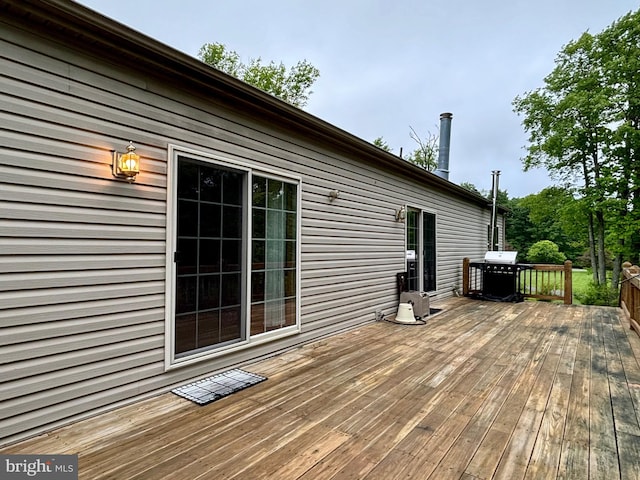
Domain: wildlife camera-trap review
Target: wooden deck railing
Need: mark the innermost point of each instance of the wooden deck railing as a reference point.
(548, 282)
(630, 295)
(539, 281)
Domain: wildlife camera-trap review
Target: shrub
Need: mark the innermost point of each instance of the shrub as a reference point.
(550, 287)
(584, 260)
(545, 251)
(598, 295)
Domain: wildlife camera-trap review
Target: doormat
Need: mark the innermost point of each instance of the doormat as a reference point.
(218, 386)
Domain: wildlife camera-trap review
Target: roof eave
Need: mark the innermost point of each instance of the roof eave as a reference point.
(102, 32)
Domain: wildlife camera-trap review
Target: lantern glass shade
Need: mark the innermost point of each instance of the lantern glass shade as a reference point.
(127, 165)
(130, 163)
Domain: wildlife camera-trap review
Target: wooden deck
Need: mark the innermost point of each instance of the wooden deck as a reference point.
(484, 390)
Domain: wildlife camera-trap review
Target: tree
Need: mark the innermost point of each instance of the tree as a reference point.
(552, 214)
(584, 127)
(555, 216)
(502, 197)
(619, 59)
(381, 143)
(471, 187)
(545, 251)
(426, 155)
(565, 124)
(520, 231)
(292, 86)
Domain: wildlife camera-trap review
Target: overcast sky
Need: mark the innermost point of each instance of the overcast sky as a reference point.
(386, 65)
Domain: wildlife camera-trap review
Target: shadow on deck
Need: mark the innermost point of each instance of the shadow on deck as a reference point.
(484, 390)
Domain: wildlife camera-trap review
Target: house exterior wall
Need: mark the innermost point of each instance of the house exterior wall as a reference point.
(83, 256)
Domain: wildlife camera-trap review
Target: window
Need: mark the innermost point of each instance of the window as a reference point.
(235, 252)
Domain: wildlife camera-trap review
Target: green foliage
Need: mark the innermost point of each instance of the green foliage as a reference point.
(550, 286)
(292, 85)
(520, 231)
(426, 155)
(471, 187)
(585, 292)
(217, 55)
(502, 199)
(381, 143)
(580, 280)
(584, 127)
(552, 214)
(545, 251)
(595, 294)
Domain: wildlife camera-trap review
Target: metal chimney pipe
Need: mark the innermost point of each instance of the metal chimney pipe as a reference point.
(494, 209)
(445, 141)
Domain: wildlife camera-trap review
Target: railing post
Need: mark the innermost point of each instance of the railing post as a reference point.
(568, 283)
(465, 276)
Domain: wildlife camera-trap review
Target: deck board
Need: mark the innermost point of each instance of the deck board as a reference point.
(574, 455)
(483, 391)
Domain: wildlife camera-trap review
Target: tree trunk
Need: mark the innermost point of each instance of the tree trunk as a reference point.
(617, 270)
(600, 232)
(592, 250)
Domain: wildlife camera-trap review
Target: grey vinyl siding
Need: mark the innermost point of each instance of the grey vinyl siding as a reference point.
(82, 256)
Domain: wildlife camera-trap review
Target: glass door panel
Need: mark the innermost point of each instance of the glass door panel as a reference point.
(421, 250)
(429, 251)
(413, 249)
(209, 256)
(274, 263)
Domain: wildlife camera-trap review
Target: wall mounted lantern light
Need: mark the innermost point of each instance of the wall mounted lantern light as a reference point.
(126, 165)
(401, 214)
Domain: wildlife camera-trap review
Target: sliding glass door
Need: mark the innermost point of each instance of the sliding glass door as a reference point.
(236, 241)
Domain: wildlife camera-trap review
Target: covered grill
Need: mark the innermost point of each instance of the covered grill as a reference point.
(497, 278)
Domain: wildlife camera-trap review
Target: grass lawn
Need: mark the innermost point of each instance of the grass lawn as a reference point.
(581, 284)
(580, 280)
